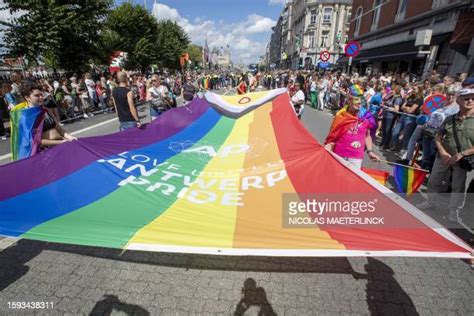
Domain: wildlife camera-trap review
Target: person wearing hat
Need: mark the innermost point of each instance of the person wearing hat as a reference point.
(349, 135)
(452, 166)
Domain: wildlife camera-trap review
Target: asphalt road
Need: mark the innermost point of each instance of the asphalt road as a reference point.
(97, 281)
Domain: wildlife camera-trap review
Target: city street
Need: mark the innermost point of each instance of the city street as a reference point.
(72, 279)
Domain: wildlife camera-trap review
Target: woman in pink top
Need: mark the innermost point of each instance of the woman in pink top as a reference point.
(350, 134)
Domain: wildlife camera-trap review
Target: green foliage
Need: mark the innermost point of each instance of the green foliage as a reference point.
(132, 29)
(195, 53)
(171, 44)
(69, 35)
(63, 33)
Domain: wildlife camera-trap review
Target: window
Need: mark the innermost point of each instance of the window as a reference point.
(312, 40)
(376, 16)
(357, 21)
(324, 39)
(348, 17)
(314, 15)
(327, 15)
(402, 10)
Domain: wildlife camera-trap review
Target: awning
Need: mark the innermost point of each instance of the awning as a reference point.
(405, 50)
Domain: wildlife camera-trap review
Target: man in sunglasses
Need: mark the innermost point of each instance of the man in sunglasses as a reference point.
(452, 148)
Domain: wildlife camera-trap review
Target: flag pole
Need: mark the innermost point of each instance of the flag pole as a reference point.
(406, 166)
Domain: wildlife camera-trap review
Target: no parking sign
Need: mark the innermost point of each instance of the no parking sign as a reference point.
(352, 49)
(433, 102)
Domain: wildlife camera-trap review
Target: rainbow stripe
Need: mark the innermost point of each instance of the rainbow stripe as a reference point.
(408, 180)
(356, 90)
(24, 124)
(206, 178)
(379, 175)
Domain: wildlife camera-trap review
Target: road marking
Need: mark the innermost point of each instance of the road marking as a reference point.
(5, 156)
(94, 126)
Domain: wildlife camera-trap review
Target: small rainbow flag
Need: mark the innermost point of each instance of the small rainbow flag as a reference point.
(379, 175)
(408, 179)
(24, 123)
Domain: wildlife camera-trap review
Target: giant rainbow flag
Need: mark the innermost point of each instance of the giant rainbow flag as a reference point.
(213, 177)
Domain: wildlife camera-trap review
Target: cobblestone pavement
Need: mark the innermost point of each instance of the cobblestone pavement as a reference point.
(87, 280)
(83, 280)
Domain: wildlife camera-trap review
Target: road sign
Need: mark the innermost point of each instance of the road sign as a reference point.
(433, 102)
(325, 55)
(323, 64)
(352, 49)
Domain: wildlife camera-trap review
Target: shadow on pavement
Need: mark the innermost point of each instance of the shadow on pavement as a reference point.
(253, 297)
(111, 303)
(13, 261)
(383, 293)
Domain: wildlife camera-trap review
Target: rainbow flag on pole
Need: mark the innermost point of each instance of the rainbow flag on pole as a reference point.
(25, 123)
(408, 179)
(211, 178)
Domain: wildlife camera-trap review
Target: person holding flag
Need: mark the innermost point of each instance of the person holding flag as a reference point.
(349, 136)
(32, 126)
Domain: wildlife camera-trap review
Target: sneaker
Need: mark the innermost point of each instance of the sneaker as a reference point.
(424, 205)
(402, 154)
(85, 115)
(3, 138)
(61, 124)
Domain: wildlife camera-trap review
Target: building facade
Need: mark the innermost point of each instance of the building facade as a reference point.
(413, 35)
(275, 43)
(309, 27)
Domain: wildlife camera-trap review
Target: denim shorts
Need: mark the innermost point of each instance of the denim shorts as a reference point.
(127, 125)
(154, 112)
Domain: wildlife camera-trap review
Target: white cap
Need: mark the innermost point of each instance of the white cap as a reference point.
(465, 92)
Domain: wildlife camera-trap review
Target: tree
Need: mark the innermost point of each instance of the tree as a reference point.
(195, 53)
(132, 29)
(65, 33)
(171, 44)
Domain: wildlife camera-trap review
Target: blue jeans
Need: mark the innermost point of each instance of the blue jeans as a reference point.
(387, 125)
(415, 137)
(154, 113)
(410, 126)
(127, 125)
(406, 124)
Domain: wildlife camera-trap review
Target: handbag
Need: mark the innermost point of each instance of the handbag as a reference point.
(467, 162)
(430, 132)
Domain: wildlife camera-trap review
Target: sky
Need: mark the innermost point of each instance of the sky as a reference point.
(244, 25)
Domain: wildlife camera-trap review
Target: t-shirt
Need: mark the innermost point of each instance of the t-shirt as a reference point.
(188, 91)
(90, 84)
(465, 132)
(298, 96)
(437, 117)
(352, 143)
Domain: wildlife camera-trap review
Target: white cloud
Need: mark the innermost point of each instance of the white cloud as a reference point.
(274, 2)
(239, 36)
(6, 16)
